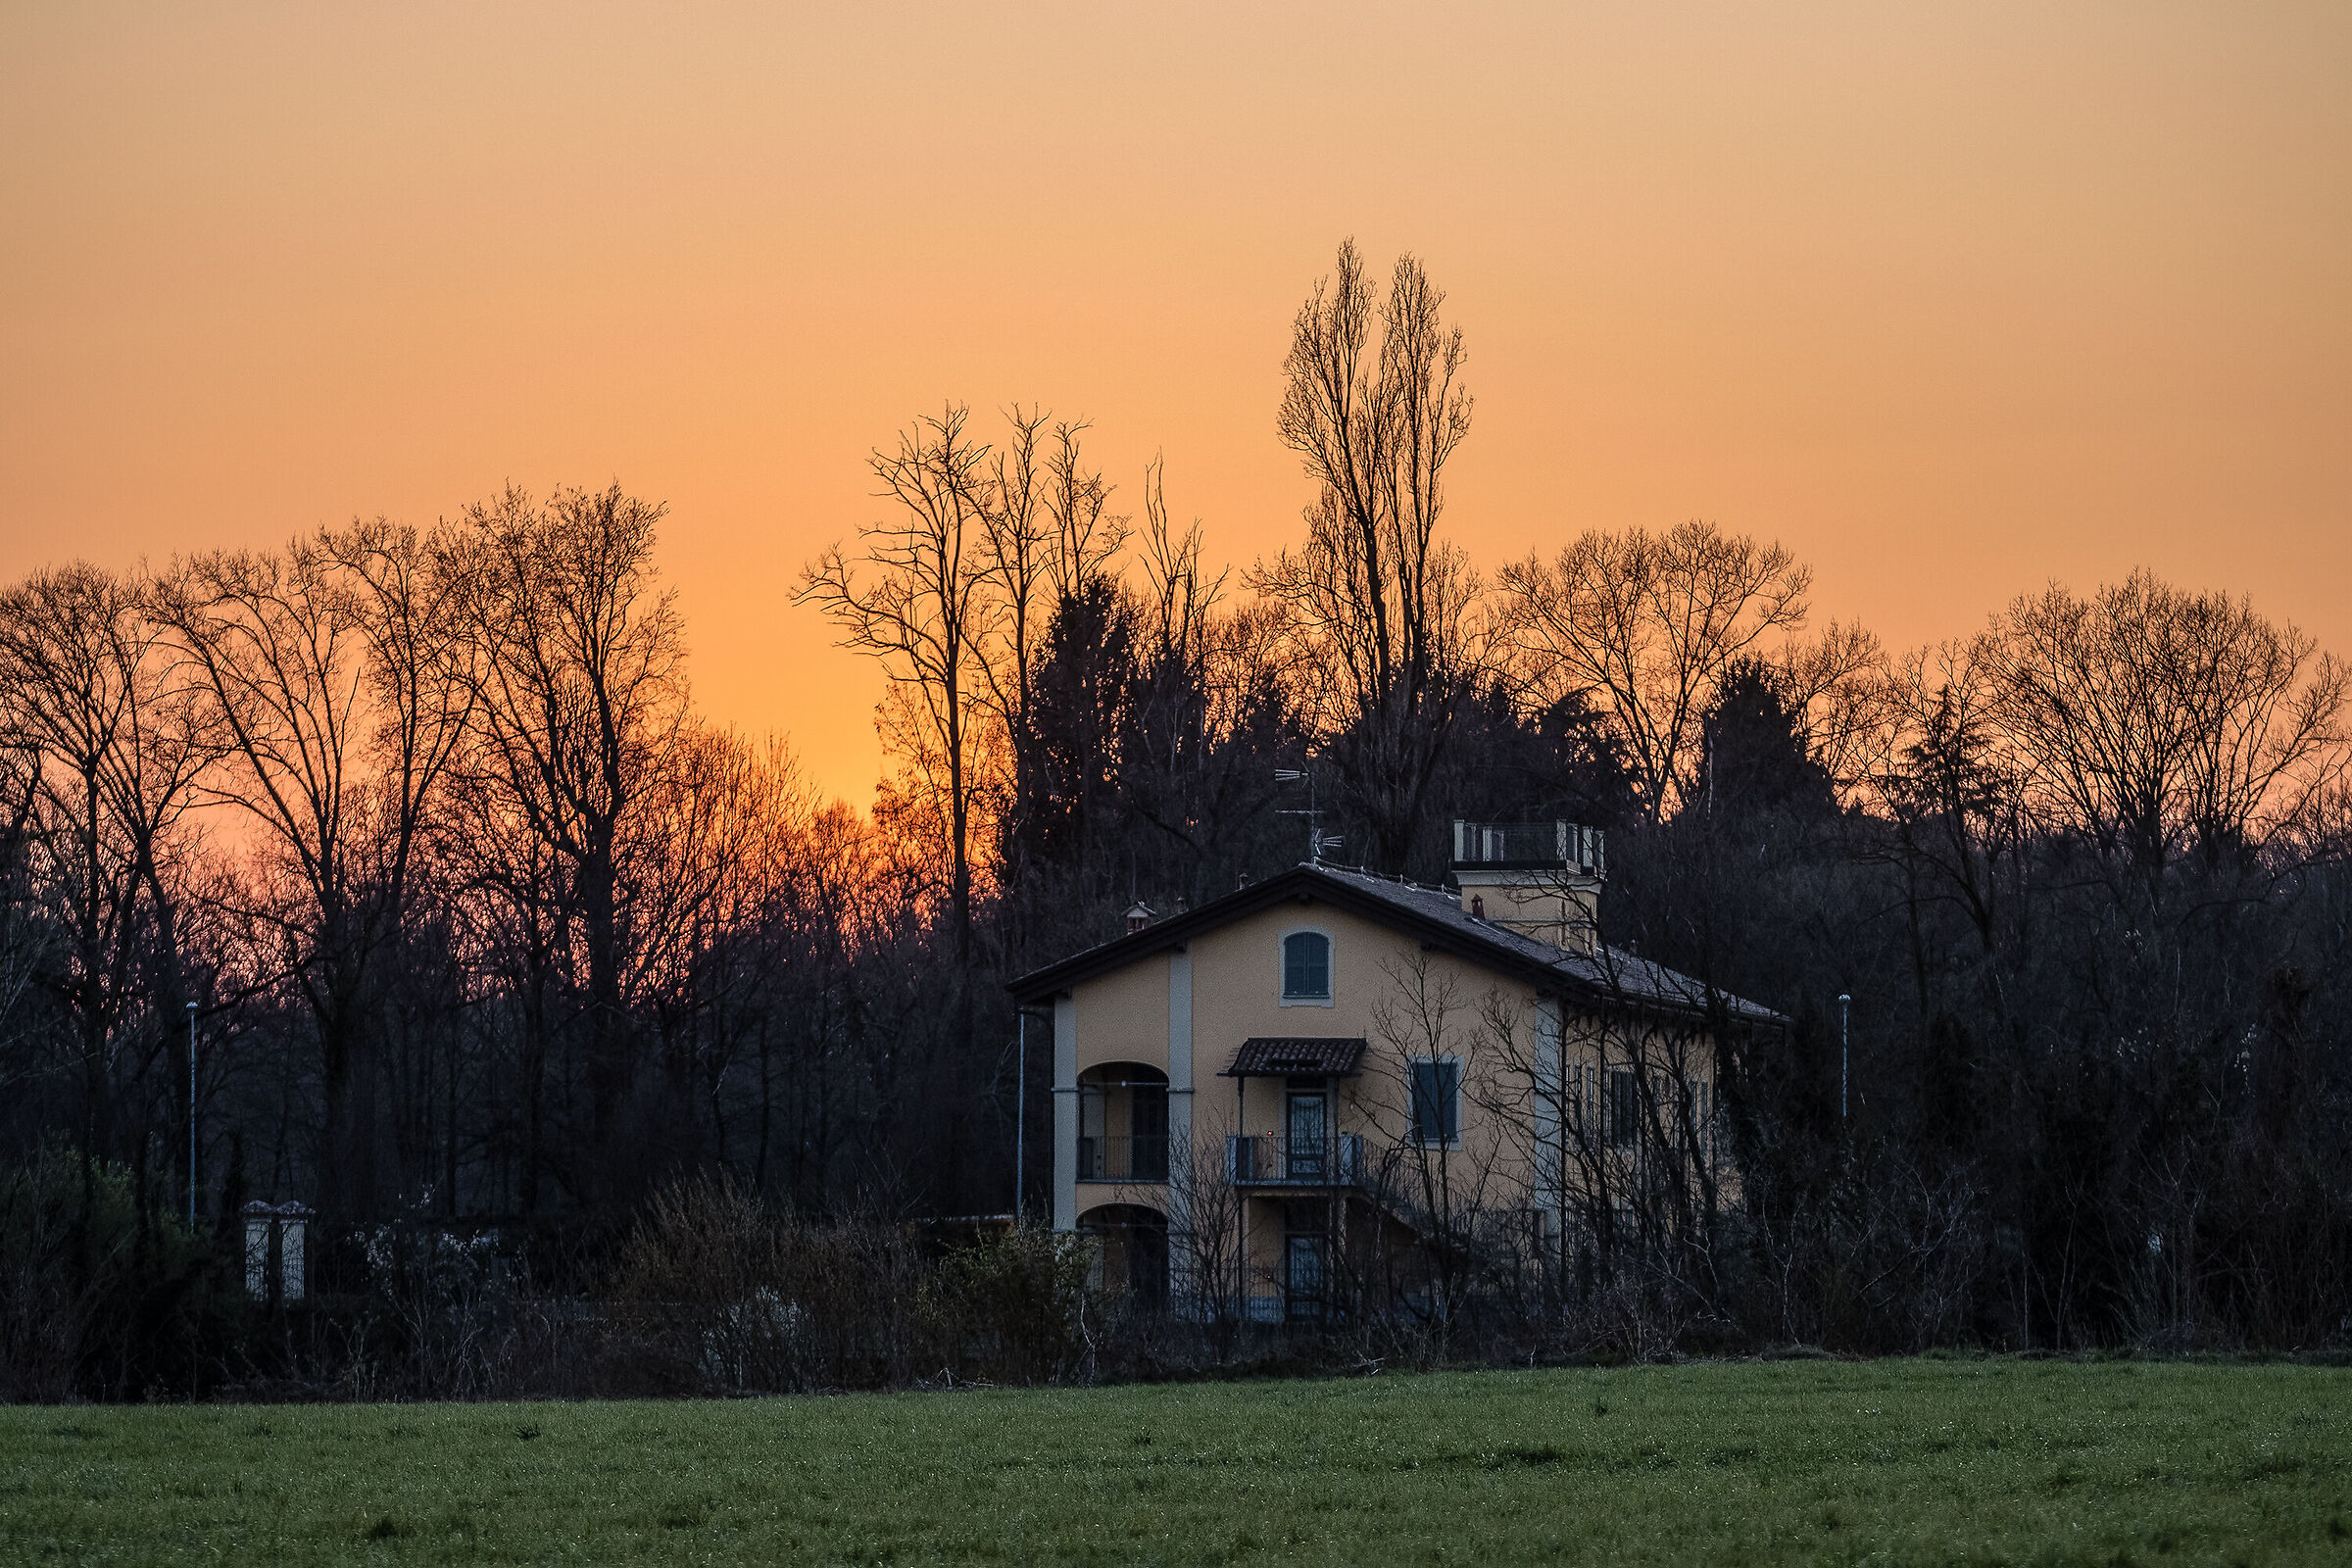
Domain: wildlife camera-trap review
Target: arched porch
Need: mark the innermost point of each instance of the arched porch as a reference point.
(1132, 1256)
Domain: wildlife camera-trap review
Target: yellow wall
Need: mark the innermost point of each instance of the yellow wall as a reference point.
(1123, 1015)
(1236, 977)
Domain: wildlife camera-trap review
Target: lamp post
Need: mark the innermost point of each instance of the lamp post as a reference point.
(1844, 1002)
(1020, 1114)
(191, 1116)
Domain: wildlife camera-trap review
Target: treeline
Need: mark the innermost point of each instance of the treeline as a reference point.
(468, 913)
(414, 834)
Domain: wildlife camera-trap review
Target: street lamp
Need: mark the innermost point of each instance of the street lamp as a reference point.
(1020, 1113)
(1844, 1002)
(191, 1116)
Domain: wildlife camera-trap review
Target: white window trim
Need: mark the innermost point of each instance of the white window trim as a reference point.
(1455, 1142)
(1610, 1098)
(1331, 965)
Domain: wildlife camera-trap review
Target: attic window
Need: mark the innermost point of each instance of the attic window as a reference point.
(1306, 966)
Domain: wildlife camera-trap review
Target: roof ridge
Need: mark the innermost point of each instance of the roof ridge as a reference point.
(1612, 972)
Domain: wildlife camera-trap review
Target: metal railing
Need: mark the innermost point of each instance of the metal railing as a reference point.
(1273, 1295)
(1123, 1158)
(1269, 1159)
(1528, 846)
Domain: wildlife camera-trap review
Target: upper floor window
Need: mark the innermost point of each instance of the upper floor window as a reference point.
(1624, 1108)
(1306, 966)
(1436, 1100)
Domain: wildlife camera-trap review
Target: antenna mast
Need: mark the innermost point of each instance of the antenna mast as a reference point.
(1316, 841)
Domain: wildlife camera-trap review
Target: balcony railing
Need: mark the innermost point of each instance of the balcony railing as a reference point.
(1269, 1159)
(1123, 1158)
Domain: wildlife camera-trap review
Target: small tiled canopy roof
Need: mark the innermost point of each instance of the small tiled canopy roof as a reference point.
(1300, 1057)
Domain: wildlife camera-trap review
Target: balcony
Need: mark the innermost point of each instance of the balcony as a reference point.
(1123, 1158)
(1269, 1159)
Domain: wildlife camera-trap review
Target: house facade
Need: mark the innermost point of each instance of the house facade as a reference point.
(1329, 1065)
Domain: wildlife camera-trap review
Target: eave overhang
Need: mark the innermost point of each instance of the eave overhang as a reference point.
(1307, 884)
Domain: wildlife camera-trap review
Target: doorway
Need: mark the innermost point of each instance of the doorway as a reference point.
(1307, 1129)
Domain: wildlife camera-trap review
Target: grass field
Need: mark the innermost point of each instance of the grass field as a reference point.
(1918, 1461)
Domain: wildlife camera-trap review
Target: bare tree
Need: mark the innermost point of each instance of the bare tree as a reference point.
(420, 674)
(1384, 611)
(1050, 545)
(1087, 536)
(107, 745)
(1182, 596)
(21, 940)
(1182, 708)
(2149, 719)
(1018, 549)
(1645, 625)
(330, 671)
(1840, 685)
(580, 714)
(728, 838)
(924, 614)
(1950, 794)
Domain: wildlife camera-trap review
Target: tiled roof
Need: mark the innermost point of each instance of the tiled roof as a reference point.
(1611, 971)
(1610, 977)
(1297, 1056)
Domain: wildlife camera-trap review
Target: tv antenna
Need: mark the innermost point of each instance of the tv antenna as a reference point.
(1317, 841)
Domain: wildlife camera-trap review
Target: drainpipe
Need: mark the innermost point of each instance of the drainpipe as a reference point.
(1240, 1198)
(1020, 1114)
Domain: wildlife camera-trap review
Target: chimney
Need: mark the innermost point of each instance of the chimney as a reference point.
(1138, 915)
(1541, 880)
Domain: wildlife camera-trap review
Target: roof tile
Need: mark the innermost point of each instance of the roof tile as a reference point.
(1297, 1056)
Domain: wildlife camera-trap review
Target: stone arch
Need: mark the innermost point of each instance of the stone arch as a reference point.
(1134, 1242)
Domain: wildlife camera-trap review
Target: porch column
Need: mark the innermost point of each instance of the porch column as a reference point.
(1184, 1161)
(1065, 1112)
(1551, 1113)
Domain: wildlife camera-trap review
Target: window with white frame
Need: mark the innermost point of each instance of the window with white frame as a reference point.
(1624, 1108)
(1436, 1102)
(1307, 967)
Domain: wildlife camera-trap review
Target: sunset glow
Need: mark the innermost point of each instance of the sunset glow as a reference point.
(1951, 305)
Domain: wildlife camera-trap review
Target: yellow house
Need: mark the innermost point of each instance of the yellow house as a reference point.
(1328, 1082)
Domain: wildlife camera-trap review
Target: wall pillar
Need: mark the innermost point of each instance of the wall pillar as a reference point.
(1184, 1160)
(1065, 1112)
(1550, 1113)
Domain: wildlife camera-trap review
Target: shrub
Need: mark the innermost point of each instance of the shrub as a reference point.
(1017, 1308)
(95, 1297)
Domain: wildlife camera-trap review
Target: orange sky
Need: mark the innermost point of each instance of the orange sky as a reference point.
(1951, 303)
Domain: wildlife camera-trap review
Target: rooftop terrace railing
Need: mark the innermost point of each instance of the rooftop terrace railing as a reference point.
(1556, 846)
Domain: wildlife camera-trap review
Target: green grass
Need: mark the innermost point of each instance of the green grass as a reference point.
(1918, 1461)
